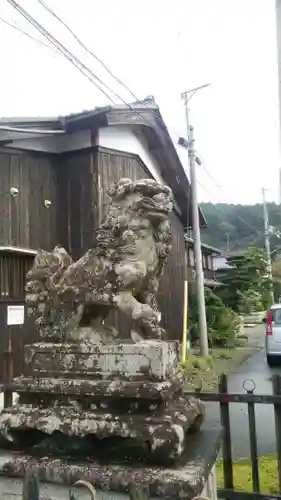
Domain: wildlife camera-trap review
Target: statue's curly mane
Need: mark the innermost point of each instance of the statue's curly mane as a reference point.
(153, 199)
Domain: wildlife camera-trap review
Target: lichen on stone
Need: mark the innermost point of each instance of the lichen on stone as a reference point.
(121, 272)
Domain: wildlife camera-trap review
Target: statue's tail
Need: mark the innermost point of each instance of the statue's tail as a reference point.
(76, 281)
(47, 270)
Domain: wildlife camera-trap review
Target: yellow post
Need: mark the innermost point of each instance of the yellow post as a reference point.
(185, 308)
(184, 325)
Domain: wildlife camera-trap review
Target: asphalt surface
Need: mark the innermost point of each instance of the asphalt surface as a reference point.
(256, 369)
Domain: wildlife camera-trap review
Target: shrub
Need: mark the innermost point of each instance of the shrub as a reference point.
(222, 322)
(250, 301)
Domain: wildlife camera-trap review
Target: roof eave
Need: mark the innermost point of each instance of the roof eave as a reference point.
(149, 117)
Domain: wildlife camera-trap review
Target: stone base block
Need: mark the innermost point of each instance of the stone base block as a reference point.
(185, 480)
(150, 359)
(33, 388)
(163, 433)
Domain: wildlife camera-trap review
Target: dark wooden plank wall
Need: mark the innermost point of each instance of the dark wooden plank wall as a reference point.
(24, 220)
(111, 167)
(172, 283)
(78, 195)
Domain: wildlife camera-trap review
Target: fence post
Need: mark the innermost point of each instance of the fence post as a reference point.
(276, 386)
(8, 370)
(30, 486)
(226, 444)
(253, 439)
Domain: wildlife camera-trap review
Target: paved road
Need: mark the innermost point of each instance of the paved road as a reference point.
(254, 368)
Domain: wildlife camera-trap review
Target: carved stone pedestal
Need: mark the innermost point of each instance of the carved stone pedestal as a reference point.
(192, 476)
(102, 396)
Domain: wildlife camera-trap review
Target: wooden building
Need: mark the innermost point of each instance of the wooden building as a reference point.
(54, 175)
(210, 255)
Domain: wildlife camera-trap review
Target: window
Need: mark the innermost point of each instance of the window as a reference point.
(191, 257)
(13, 269)
(276, 316)
(204, 261)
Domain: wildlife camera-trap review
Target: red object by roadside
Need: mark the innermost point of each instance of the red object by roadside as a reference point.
(268, 330)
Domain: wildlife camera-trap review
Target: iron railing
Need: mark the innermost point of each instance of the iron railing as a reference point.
(13, 270)
(224, 398)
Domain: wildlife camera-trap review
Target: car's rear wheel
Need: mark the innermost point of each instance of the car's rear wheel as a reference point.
(270, 360)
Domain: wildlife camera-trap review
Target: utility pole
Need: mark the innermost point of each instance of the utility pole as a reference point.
(185, 340)
(227, 242)
(279, 192)
(278, 33)
(203, 333)
(267, 244)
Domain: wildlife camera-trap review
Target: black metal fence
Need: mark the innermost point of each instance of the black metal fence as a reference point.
(224, 398)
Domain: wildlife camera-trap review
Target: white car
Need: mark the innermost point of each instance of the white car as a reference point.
(273, 335)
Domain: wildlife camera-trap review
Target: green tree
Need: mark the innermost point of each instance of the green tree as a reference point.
(243, 222)
(276, 273)
(245, 285)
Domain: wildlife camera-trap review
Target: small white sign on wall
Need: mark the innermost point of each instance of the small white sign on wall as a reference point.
(15, 315)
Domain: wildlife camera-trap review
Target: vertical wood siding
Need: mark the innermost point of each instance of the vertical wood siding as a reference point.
(172, 284)
(24, 220)
(78, 205)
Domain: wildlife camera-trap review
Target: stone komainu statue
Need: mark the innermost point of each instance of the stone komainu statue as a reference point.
(121, 271)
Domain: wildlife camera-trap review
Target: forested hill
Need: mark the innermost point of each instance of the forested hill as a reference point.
(243, 223)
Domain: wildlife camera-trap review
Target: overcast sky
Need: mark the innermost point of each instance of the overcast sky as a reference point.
(163, 47)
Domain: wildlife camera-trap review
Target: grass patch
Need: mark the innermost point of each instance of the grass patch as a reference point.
(203, 372)
(243, 474)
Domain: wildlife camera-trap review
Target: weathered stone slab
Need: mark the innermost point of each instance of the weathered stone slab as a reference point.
(164, 433)
(185, 480)
(138, 389)
(150, 359)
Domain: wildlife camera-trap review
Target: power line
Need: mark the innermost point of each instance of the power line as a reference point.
(17, 28)
(62, 49)
(75, 61)
(212, 194)
(82, 44)
(105, 66)
(258, 231)
(231, 201)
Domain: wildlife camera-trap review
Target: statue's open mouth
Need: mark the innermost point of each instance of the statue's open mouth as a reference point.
(152, 207)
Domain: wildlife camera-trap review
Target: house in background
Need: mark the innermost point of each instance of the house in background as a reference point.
(276, 254)
(54, 176)
(220, 261)
(209, 256)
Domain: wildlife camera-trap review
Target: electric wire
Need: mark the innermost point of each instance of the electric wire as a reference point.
(250, 226)
(79, 65)
(87, 49)
(20, 30)
(62, 49)
(76, 62)
(237, 216)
